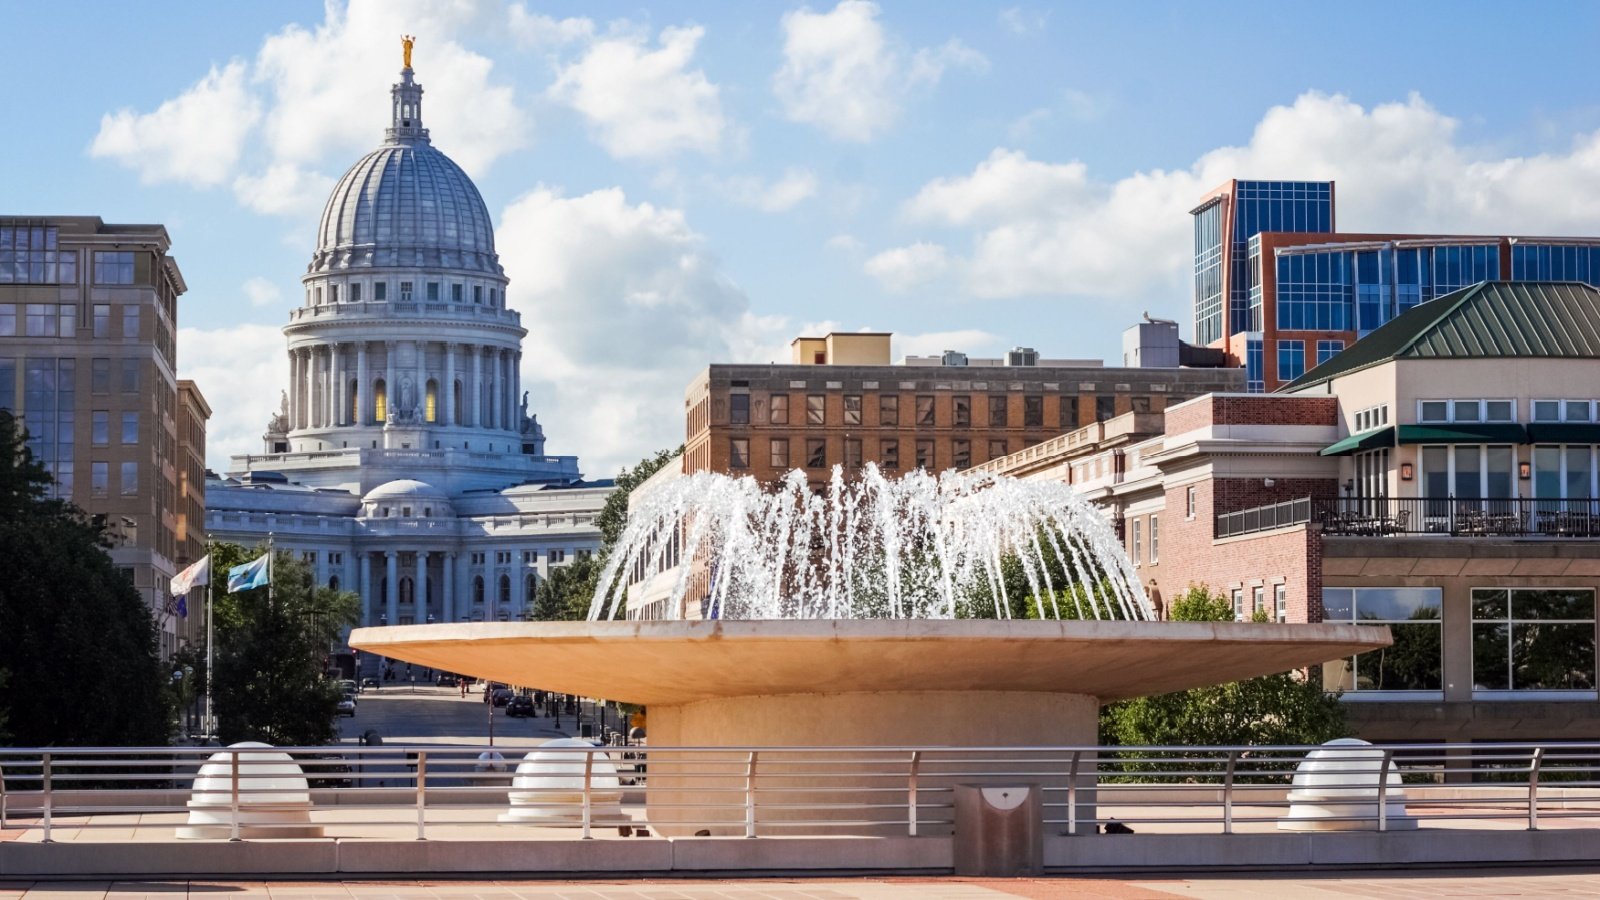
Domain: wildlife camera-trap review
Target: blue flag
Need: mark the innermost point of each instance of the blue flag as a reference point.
(183, 607)
(252, 574)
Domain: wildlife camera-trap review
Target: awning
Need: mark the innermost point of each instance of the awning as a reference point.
(1463, 433)
(1564, 433)
(1366, 440)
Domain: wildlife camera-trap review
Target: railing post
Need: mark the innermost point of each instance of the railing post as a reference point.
(1383, 791)
(750, 795)
(233, 802)
(1072, 793)
(422, 795)
(588, 776)
(1533, 788)
(2, 798)
(1227, 793)
(44, 768)
(911, 793)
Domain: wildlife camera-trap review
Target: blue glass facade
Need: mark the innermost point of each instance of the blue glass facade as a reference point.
(1294, 206)
(1327, 350)
(1358, 289)
(1291, 360)
(1208, 274)
(1254, 379)
(1555, 262)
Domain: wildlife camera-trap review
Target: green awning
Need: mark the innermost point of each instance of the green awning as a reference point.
(1366, 440)
(1564, 433)
(1463, 433)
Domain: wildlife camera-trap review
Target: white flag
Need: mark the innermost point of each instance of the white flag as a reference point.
(195, 575)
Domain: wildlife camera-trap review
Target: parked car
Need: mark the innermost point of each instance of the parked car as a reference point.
(370, 681)
(348, 686)
(448, 680)
(501, 696)
(520, 706)
(347, 706)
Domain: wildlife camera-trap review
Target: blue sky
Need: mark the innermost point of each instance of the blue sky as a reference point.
(677, 184)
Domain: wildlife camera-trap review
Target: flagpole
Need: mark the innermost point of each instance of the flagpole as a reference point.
(211, 656)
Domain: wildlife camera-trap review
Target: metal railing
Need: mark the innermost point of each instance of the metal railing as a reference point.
(1460, 517)
(418, 792)
(1264, 518)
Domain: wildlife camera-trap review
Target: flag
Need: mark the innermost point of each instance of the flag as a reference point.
(252, 574)
(194, 576)
(183, 607)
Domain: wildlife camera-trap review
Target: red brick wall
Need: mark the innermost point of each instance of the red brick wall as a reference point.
(1235, 409)
(1234, 494)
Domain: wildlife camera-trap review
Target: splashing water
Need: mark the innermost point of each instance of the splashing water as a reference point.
(917, 546)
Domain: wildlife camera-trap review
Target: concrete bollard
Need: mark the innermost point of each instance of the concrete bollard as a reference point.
(999, 830)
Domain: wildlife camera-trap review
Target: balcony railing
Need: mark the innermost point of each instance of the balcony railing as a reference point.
(1577, 517)
(1264, 518)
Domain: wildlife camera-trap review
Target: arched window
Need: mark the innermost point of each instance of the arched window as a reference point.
(355, 402)
(430, 409)
(333, 583)
(505, 588)
(457, 408)
(477, 589)
(380, 401)
(531, 586)
(408, 590)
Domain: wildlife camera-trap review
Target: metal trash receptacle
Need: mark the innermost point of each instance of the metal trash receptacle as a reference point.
(999, 830)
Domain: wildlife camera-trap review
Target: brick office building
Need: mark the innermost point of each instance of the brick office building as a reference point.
(841, 402)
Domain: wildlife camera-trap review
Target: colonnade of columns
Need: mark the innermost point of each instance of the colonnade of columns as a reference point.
(323, 394)
(379, 573)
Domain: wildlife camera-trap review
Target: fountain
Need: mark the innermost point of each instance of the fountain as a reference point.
(878, 612)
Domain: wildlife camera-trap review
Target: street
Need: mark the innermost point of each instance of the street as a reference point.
(425, 714)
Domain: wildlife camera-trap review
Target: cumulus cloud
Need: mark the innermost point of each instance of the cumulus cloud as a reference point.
(539, 31)
(1019, 21)
(784, 193)
(261, 292)
(279, 127)
(241, 369)
(641, 102)
(842, 73)
(194, 138)
(971, 341)
(908, 268)
(625, 302)
(1052, 228)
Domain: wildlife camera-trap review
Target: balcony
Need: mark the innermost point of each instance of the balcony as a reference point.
(390, 310)
(1459, 517)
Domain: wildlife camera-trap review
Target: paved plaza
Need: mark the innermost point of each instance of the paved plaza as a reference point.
(1528, 882)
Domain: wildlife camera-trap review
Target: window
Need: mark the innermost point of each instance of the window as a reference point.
(1280, 601)
(477, 294)
(130, 428)
(41, 320)
(100, 376)
(130, 376)
(430, 401)
(889, 454)
(457, 293)
(102, 320)
(852, 453)
(780, 409)
(380, 401)
(1414, 617)
(852, 409)
(130, 479)
(494, 296)
(997, 448)
(1469, 472)
(558, 556)
(100, 428)
(1032, 412)
(113, 267)
(739, 453)
(997, 412)
(505, 589)
(477, 559)
(28, 255)
(1433, 411)
(1190, 502)
(779, 453)
(961, 454)
(1137, 543)
(1372, 417)
(1467, 411)
(477, 589)
(130, 320)
(1562, 411)
(355, 292)
(739, 409)
(529, 557)
(1105, 408)
(816, 453)
(961, 411)
(924, 410)
(405, 292)
(1327, 350)
(433, 292)
(333, 293)
(1155, 538)
(8, 319)
(1291, 360)
(925, 455)
(1258, 602)
(380, 291)
(100, 479)
(1533, 639)
(1238, 604)
(1476, 411)
(889, 409)
(816, 409)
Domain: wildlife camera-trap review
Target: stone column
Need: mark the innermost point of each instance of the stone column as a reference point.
(392, 595)
(516, 391)
(477, 387)
(364, 578)
(388, 378)
(497, 402)
(314, 386)
(339, 404)
(449, 386)
(419, 596)
(322, 568)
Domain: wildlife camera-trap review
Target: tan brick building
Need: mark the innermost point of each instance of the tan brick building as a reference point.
(88, 325)
(841, 402)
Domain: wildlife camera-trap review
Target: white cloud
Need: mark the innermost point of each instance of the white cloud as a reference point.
(625, 304)
(536, 30)
(794, 187)
(907, 268)
(194, 138)
(280, 126)
(644, 103)
(971, 341)
(1051, 228)
(843, 74)
(845, 243)
(240, 369)
(261, 292)
(1020, 22)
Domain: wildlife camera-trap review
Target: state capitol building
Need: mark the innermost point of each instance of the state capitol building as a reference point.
(404, 464)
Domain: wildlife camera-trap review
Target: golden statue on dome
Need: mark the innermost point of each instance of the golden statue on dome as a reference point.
(406, 40)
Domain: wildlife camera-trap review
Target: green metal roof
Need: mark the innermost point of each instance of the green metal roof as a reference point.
(1366, 440)
(1491, 319)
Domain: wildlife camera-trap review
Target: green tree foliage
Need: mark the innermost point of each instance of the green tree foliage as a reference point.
(1021, 598)
(1274, 709)
(614, 515)
(271, 657)
(5, 736)
(76, 639)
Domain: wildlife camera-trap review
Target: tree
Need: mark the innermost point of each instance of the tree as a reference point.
(614, 515)
(77, 641)
(272, 648)
(1286, 708)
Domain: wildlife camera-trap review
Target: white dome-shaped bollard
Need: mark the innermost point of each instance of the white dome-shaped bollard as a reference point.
(1336, 789)
(274, 797)
(548, 787)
